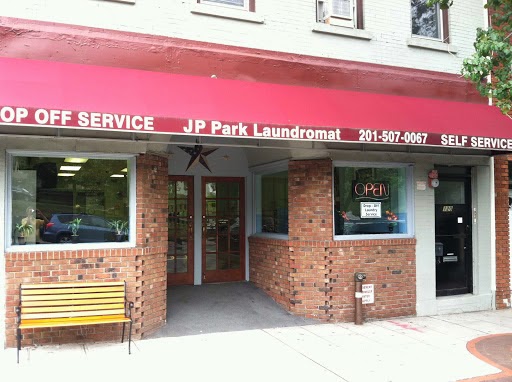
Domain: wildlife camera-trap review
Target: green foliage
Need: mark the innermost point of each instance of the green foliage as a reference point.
(74, 225)
(120, 226)
(24, 229)
(493, 54)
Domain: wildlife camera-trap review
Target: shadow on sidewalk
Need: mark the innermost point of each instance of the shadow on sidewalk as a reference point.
(213, 308)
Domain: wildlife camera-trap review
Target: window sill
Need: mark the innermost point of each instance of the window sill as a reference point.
(67, 247)
(416, 42)
(227, 13)
(342, 31)
(384, 236)
(269, 235)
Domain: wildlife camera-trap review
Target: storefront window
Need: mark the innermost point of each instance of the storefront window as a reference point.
(272, 203)
(59, 200)
(371, 200)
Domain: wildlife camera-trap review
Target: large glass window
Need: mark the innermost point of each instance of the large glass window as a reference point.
(426, 21)
(272, 202)
(68, 199)
(370, 200)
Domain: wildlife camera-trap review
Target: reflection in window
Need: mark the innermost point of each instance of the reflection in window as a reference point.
(370, 200)
(425, 20)
(272, 203)
(64, 200)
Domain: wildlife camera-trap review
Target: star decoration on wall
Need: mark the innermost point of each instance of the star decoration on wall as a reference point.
(197, 154)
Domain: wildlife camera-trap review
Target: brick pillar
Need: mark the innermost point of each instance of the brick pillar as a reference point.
(152, 171)
(501, 164)
(310, 233)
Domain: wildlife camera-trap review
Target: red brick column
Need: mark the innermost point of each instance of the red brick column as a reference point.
(310, 233)
(152, 213)
(501, 180)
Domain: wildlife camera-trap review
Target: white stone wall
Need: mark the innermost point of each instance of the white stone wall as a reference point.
(284, 26)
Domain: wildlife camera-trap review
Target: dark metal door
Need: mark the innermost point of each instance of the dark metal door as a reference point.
(454, 250)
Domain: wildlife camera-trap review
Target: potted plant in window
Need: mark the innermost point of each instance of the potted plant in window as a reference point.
(120, 227)
(73, 226)
(24, 229)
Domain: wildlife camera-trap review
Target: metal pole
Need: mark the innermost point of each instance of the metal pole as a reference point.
(359, 277)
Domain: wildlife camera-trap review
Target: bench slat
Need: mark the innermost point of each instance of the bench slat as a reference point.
(76, 321)
(104, 312)
(70, 309)
(90, 301)
(54, 291)
(70, 296)
(73, 285)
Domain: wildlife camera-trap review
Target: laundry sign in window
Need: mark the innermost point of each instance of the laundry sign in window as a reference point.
(370, 210)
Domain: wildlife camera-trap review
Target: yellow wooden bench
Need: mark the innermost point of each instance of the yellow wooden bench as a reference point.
(73, 304)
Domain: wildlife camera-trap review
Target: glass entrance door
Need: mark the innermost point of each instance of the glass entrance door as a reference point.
(180, 250)
(453, 232)
(223, 241)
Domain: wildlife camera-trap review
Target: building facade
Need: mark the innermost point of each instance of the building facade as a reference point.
(288, 144)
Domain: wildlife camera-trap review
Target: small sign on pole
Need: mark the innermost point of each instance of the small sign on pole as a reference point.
(368, 295)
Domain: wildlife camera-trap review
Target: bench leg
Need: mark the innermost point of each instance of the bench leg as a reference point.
(130, 339)
(122, 336)
(18, 337)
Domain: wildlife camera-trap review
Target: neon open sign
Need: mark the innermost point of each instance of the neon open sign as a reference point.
(370, 190)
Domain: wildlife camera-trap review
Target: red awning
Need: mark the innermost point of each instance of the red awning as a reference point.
(62, 95)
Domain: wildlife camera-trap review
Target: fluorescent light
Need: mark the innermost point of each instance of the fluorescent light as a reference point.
(76, 160)
(124, 170)
(70, 168)
(117, 176)
(66, 174)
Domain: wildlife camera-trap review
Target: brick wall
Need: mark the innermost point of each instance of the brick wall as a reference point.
(142, 267)
(321, 271)
(269, 268)
(502, 231)
(286, 26)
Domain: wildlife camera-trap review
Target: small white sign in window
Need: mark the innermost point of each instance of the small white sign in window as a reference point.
(370, 210)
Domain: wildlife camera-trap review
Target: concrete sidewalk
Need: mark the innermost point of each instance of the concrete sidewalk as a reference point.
(432, 349)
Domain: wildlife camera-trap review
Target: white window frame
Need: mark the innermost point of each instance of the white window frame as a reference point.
(132, 184)
(263, 170)
(440, 23)
(409, 192)
(340, 20)
(245, 7)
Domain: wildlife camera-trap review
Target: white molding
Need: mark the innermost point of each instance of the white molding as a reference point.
(227, 13)
(417, 42)
(342, 31)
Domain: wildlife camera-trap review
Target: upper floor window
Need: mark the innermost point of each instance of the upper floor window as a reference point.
(426, 21)
(347, 13)
(239, 4)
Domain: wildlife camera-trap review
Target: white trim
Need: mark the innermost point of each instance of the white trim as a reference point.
(226, 12)
(132, 201)
(214, 3)
(426, 43)
(409, 202)
(342, 31)
(267, 168)
(492, 194)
